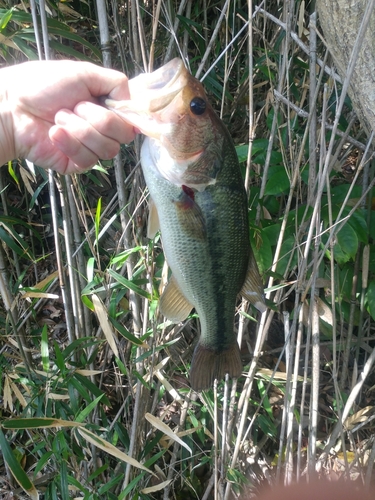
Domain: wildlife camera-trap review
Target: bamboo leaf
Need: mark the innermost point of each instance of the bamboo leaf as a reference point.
(129, 284)
(125, 333)
(156, 422)
(5, 18)
(97, 220)
(44, 349)
(37, 423)
(109, 448)
(88, 409)
(157, 487)
(105, 324)
(18, 473)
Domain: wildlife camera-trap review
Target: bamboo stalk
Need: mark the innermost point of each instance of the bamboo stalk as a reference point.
(173, 30)
(176, 447)
(212, 39)
(312, 106)
(83, 315)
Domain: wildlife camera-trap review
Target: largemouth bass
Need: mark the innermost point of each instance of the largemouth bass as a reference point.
(191, 169)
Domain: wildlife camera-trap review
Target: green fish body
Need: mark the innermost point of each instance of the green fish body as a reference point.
(202, 211)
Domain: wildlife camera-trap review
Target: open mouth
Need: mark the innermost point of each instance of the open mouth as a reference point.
(151, 92)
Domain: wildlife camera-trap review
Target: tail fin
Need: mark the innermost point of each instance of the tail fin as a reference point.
(208, 364)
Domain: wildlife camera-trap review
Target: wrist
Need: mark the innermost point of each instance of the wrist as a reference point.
(7, 143)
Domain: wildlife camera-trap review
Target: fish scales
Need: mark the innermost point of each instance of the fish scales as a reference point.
(193, 176)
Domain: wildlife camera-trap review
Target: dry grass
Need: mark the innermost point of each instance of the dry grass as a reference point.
(304, 405)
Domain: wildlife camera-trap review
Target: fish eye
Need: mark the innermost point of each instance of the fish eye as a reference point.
(198, 106)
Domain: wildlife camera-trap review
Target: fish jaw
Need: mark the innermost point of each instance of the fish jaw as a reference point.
(163, 106)
(150, 94)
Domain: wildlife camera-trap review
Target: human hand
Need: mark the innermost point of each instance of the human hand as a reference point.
(50, 114)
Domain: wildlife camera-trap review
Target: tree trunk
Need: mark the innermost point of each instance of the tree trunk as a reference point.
(340, 21)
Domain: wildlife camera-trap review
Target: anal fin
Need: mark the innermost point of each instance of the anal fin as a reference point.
(252, 289)
(208, 364)
(173, 304)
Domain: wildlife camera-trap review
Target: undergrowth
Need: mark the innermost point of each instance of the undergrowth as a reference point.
(95, 392)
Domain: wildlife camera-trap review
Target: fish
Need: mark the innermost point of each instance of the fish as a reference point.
(199, 202)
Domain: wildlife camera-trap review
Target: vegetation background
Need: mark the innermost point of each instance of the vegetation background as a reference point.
(94, 383)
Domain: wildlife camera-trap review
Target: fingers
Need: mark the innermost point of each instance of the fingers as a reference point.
(103, 81)
(79, 157)
(89, 133)
(105, 121)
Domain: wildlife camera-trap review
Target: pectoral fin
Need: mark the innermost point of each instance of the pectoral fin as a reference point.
(190, 215)
(173, 304)
(153, 225)
(252, 289)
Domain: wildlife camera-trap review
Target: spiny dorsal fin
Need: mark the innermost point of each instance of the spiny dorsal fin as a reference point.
(252, 289)
(173, 304)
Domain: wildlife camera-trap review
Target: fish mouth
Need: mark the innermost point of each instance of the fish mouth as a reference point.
(151, 93)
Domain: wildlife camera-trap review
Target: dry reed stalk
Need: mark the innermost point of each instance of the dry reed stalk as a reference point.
(239, 417)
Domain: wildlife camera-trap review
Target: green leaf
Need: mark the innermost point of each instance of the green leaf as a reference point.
(93, 388)
(276, 158)
(14, 241)
(371, 299)
(36, 194)
(44, 349)
(18, 473)
(59, 358)
(36, 423)
(124, 494)
(347, 244)
(267, 426)
(42, 462)
(262, 252)
(123, 256)
(273, 232)
(129, 284)
(278, 181)
(25, 48)
(11, 171)
(90, 269)
(287, 248)
(88, 409)
(109, 448)
(88, 303)
(73, 481)
(97, 220)
(359, 225)
(64, 488)
(259, 146)
(139, 377)
(110, 485)
(125, 333)
(5, 18)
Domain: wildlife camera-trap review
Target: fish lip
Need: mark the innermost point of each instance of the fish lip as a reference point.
(150, 92)
(164, 77)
